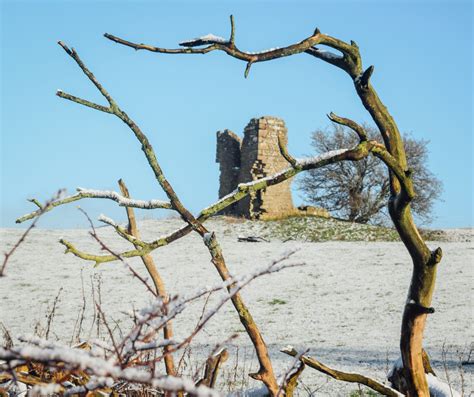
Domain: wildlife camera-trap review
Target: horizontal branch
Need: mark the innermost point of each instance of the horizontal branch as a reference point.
(349, 61)
(83, 102)
(360, 151)
(344, 376)
(99, 194)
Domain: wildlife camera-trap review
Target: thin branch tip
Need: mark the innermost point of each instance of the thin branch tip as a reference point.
(247, 69)
(358, 129)
(65, 47)
(436, 257)
(364, 80)
(35, 202)
(232, 30)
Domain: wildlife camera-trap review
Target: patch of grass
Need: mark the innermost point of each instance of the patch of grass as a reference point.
(364, 393)
(314, 229)
(277, 301)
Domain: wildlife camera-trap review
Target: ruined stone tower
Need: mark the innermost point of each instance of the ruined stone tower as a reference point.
(254, 157)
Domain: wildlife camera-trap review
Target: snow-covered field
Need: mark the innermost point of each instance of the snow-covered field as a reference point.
(345, 304)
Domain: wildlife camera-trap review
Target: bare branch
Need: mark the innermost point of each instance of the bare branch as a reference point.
(284, 151)
(358, 129)
(72, 53)
(155, 276)
(100, 194)
(218, 43)
(122, 232)
(344, 376)
(42, 209)
(363, 79)
(83, 102)
(349, 60)
(36, 202)
(407, 191)
(232, 31)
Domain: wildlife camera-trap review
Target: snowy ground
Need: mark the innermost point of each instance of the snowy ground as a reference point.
(345, 304)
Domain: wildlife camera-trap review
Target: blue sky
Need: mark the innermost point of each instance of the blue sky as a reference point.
(422, 52)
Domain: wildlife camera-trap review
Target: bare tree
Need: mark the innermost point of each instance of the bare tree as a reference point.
(359, 191)
(391, 153)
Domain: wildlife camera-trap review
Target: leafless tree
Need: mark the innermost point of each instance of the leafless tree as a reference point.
(359, 191)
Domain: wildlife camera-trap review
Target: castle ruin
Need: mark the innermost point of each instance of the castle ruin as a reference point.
(256, 156)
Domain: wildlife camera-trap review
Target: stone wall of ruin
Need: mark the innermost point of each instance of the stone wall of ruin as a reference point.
(228, 157)
(255, 157)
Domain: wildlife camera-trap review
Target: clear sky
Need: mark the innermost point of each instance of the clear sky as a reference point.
(422, 52)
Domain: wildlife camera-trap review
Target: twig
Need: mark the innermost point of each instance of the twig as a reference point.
(52, 313)
(41, 211)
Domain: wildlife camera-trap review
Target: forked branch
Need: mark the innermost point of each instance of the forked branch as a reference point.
(349, 60)
(344, 376)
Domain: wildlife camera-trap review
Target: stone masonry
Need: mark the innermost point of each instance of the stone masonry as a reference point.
(254, 157)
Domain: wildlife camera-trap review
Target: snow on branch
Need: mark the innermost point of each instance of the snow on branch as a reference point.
(349, 60)
(99, 194)
(124, 201)
(203, 40)
(309, 161)
(243, 189)
(103, 372)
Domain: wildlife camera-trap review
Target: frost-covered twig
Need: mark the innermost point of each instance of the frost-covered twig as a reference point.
(42, 209)
(155, 317)
(97, 194)
(105, 371)
(122, 232)
(235, 285)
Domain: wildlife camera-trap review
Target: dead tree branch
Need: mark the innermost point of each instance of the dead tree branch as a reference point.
(155, 276)
(96, 194)
(344, 376)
